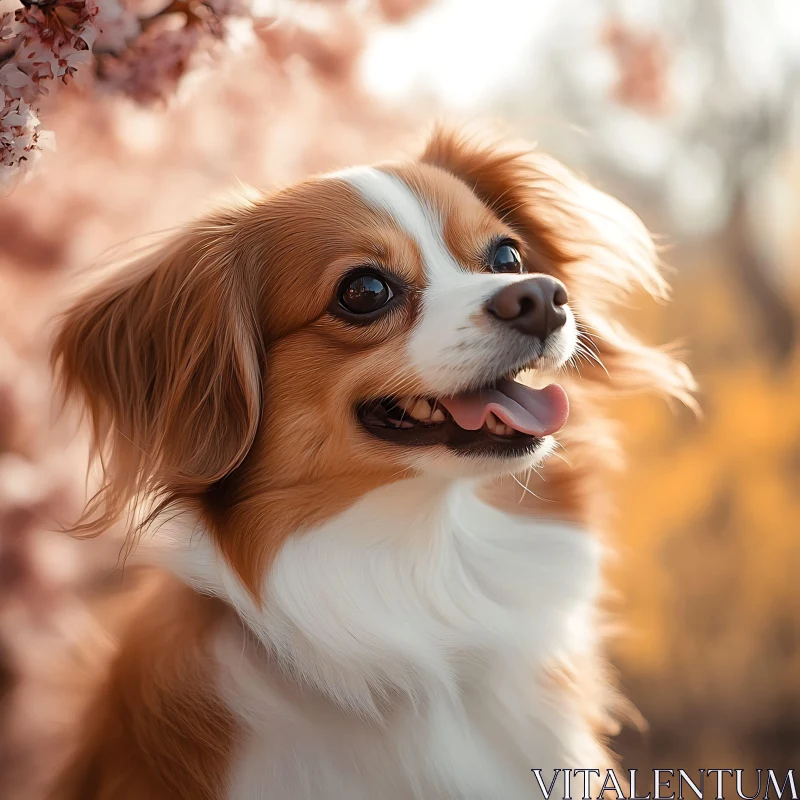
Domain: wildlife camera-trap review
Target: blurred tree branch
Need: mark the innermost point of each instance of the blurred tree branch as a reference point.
(687, 112)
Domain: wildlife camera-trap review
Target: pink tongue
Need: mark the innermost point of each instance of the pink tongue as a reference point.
(538, 412)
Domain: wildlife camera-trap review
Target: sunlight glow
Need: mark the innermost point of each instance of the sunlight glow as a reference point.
(458, 50)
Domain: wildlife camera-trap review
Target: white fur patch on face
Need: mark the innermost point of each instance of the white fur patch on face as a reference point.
(454, 345)
(387, 192)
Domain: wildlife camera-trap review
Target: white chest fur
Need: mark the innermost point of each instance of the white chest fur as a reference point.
(406, 637)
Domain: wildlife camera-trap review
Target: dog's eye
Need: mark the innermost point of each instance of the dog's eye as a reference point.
(506, 259)
(364, 294)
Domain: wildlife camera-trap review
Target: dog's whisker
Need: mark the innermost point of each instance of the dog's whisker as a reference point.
(591, 356)
(526, 490)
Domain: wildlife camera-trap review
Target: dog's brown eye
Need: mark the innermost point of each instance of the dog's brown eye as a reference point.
(506, 259)
(364, 294)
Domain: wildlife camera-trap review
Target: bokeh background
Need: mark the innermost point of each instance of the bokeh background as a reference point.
(689, 110)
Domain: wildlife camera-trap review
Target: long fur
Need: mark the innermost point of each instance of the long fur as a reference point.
(219, 388)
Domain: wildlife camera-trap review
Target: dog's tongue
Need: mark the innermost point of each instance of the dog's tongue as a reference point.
(538, 412)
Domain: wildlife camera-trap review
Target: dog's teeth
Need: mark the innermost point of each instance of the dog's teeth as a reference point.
(437, 415)
(421, 410)
(492, 422)
(415, 407)
(406, 403)
(502, 430)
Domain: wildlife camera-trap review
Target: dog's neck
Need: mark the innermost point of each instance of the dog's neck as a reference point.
(411, 590)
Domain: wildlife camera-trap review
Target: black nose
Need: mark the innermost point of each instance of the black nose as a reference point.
(534, 306)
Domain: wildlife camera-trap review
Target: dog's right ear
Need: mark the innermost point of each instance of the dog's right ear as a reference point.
(166, 357)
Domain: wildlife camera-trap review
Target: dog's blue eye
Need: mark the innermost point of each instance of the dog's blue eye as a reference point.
(506, 259)
(364, 294)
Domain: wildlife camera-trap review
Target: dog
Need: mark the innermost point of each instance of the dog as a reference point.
(327, 414)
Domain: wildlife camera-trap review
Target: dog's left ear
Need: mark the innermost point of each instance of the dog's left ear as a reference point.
(594, 243)
(166, 357)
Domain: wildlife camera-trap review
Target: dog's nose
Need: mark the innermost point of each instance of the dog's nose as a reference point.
(534, 306)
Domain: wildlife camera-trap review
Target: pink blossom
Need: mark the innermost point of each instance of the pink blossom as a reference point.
(51, 48)
(20, 140)
(16, 84)
(152, 67)
(231, 8)
(116, 26)
(50, 43)
(146, 60)
(9, 27)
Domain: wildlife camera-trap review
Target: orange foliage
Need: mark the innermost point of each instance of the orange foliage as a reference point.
(708, 520)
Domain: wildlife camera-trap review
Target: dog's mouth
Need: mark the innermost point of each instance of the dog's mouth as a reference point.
(505, 418)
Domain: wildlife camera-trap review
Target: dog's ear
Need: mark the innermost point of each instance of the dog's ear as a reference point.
(594, 243)
(165, 355)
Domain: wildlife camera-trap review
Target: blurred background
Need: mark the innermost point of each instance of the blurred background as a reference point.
(689, 110)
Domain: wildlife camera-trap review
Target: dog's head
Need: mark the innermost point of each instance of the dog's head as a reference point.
(355, 327)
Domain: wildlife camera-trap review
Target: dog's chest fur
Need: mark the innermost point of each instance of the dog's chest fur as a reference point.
(402, 650)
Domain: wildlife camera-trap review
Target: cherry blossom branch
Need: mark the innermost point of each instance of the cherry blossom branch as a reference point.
(49, 40)
(45, 42)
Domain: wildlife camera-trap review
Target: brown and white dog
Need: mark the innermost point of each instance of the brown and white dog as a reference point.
(312, 403)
